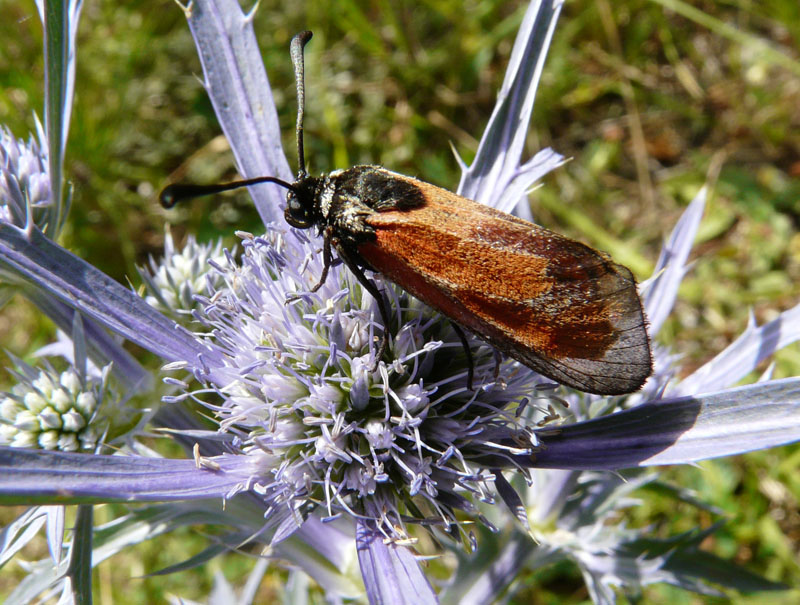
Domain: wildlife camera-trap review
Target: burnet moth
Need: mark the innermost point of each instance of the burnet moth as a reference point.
(554, 304)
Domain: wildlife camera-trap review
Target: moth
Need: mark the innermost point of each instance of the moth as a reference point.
(554, 304)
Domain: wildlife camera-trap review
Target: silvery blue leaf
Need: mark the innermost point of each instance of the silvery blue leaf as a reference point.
(239, 90)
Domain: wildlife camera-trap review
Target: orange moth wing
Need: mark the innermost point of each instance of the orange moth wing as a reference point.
(554, 304)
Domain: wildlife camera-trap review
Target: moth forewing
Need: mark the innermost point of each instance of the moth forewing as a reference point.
(552, 303)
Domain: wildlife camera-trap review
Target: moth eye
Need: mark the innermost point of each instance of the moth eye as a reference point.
(296, 214)
(293, 206)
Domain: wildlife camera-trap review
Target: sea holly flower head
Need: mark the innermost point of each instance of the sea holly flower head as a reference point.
(67, 410)
(173, 281)
(24, 177)
(49, 410)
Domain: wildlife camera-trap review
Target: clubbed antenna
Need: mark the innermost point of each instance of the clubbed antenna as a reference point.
(178, 193)
(296, 51)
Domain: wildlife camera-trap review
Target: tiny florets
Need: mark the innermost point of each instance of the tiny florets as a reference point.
(173, 282)
(53, 411)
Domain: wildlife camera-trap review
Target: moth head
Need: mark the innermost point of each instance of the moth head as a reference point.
(302, 206)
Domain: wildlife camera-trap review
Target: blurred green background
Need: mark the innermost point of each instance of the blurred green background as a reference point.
(650, 99)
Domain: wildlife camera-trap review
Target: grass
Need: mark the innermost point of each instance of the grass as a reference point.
(650, 99)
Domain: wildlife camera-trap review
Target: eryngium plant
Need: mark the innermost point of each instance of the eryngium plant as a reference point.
(298, 443)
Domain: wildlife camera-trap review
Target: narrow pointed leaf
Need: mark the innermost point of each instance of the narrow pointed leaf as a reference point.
(239, 90)
(660, 292)
(709, 567)
(676, 431)
(81, 286)
(741, 357)
(391, 573)
(55, 531)
(500, 149)
(42, 477)
(80, 563)
(204, 556)
(59, 52)
(16, 535)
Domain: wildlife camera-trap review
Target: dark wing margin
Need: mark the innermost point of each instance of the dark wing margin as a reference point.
(591, 336)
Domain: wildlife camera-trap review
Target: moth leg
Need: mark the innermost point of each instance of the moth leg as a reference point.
(327, 258)
(498, 359)
(370, 286)
(468, 352)
(327, 261)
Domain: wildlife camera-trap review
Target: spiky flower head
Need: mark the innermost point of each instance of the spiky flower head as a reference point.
(24, 177)
(54, 411)
(173, 281)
